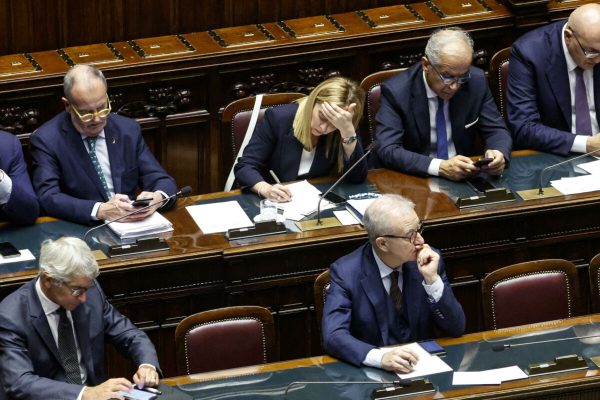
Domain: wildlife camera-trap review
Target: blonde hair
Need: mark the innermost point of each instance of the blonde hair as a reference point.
(339, 91)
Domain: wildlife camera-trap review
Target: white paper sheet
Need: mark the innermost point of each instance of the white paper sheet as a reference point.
(427, 364)
(345, 217)
(305, 198)
(25, 256)
(577, 184)
(592, 167)
(488, 377)
(219, 217)
(155, 223)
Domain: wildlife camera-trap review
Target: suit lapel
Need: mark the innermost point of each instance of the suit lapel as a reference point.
(421, 111)
(115, 154)
(556, 76)
(410, 313)
(40, 322)
(291, 152)
(458, 108)
(81, 322)
(373, 287)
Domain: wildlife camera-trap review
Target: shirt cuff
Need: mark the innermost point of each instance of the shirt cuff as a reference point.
(95, 211)
(435, 290)
(5, 188)
(147, 365)
(434, 167)
(81, 393)
(374, 356)
(580, 144)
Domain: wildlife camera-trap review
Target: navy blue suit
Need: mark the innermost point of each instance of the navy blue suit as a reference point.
(403, 129)
(64, 177)
(358, 313)
(273, 146)
(31, 367)
(538, 93)
(22, 206)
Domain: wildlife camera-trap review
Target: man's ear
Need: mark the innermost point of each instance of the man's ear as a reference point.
(66, 103)
(424, 63)
(45, 279)
(382, 244)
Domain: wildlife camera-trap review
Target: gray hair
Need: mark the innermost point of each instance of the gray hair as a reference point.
(378, 219)
(440, 38)
(79, 73)
(64, 258)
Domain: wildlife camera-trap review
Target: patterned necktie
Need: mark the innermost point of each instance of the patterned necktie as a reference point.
(67, 349)
(440, 129)
(91, 142)
(395, 292)
(583, 123)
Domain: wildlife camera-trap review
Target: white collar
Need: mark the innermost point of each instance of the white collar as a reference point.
(48, 305)
(571, 64)
(384, 270)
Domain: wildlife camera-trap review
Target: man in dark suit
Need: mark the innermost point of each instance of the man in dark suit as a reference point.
(431, 114)
(88, 162)
(390, 291)
(18, 203)
(52, 332)
(553, 93)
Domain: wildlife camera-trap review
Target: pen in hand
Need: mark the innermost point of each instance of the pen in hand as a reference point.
(274, 176)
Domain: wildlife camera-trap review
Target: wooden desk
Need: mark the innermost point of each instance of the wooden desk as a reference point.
(202, 272)
(469, 353)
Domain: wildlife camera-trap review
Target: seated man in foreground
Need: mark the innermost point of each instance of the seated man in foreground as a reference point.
(432, 114)
(52, 332)
(391, 290)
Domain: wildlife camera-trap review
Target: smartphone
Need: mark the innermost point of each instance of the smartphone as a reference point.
(479, 184)
(141, 202)
(335, 198)
(7, 250)
(432, 347)
(136, 394)
(483, 161)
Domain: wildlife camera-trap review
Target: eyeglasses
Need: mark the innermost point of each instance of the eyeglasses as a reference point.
(90, 116)
(589, 54)
(412, 236)
(449, 80)
(78, 291)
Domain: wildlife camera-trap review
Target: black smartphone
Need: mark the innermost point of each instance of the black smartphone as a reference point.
(7, 250)
(136, 394)
(483, 161)
(335, 198)
(479, 184)
(432, 347)
(141, 202)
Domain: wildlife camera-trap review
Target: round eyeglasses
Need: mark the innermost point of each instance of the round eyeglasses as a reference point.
(412, 236)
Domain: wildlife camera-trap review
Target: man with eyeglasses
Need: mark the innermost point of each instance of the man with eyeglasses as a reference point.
(431, 115)
(53, 332)
(391, 290)
(553, 93)
(89, 162)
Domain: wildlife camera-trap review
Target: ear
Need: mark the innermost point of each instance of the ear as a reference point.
(424, 63)
(66, 103)
(45, 280)
(382, 244)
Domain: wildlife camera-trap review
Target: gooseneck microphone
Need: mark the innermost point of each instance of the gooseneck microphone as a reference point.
(372, 146)
(185, 191)
(549, 167)
(502, 347)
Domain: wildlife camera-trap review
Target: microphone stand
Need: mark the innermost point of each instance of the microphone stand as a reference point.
(502, 347)
(541, 191)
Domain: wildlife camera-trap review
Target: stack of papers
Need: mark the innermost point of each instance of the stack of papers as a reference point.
(489, 377)
(305, 198)
(358, 207)
(580, 184)
(152, 225)
(219, 217)
(427, 364)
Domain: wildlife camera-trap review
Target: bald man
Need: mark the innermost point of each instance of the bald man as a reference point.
(432, 113)
(554, 85)
(89, 163)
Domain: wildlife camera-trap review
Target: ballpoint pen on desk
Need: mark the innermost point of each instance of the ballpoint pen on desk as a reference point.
(274, 176)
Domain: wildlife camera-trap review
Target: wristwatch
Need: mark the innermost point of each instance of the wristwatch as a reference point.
(349, 139)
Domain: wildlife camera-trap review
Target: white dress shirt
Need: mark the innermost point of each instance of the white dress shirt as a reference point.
(5, 187)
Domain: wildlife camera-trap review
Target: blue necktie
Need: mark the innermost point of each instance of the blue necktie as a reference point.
(583, 123)
(395, 292)
(440, 128)
(91, 141)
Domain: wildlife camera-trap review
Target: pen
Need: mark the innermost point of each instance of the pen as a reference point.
(274, 176)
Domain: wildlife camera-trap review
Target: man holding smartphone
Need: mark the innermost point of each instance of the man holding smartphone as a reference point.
(89, 163)
(390, 291)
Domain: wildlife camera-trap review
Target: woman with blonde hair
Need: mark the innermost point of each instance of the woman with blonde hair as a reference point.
(312, 137)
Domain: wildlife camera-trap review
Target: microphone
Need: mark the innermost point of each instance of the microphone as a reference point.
(373, 146)
(541, 191)
(502, 347)
(184, 192)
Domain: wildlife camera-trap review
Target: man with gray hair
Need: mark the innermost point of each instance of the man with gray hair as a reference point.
(53, 329)
(88, 163)
(389, 291)
(431, 114)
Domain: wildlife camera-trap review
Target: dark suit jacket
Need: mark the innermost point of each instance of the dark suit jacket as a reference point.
(22, 206)
(64, 177)
(273, 146)
(403, 129)
(355, 315)
(31, 367)
(538, 93)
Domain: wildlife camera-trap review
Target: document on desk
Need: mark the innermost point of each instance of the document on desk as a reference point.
(219, 217)
(427, 364)
(305, 198)
(577, 184)
(152, 225)
(25, 256)
(488, 377)
(592, 167)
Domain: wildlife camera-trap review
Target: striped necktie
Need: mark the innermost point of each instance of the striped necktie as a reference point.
(91, 142)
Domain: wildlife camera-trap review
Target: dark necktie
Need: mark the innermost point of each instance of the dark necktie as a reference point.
(395, 292)
(440, 128)
(67, 349)
(91, 141)
(583, 123)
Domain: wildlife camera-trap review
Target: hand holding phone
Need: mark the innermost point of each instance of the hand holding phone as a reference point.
(483, 161)
(141, 202)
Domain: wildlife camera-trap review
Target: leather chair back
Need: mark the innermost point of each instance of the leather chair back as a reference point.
(498, 75)
(224, 338)
(594, 275)
(372, 87)
(320, 295)
(530, 292)
(236, 117)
